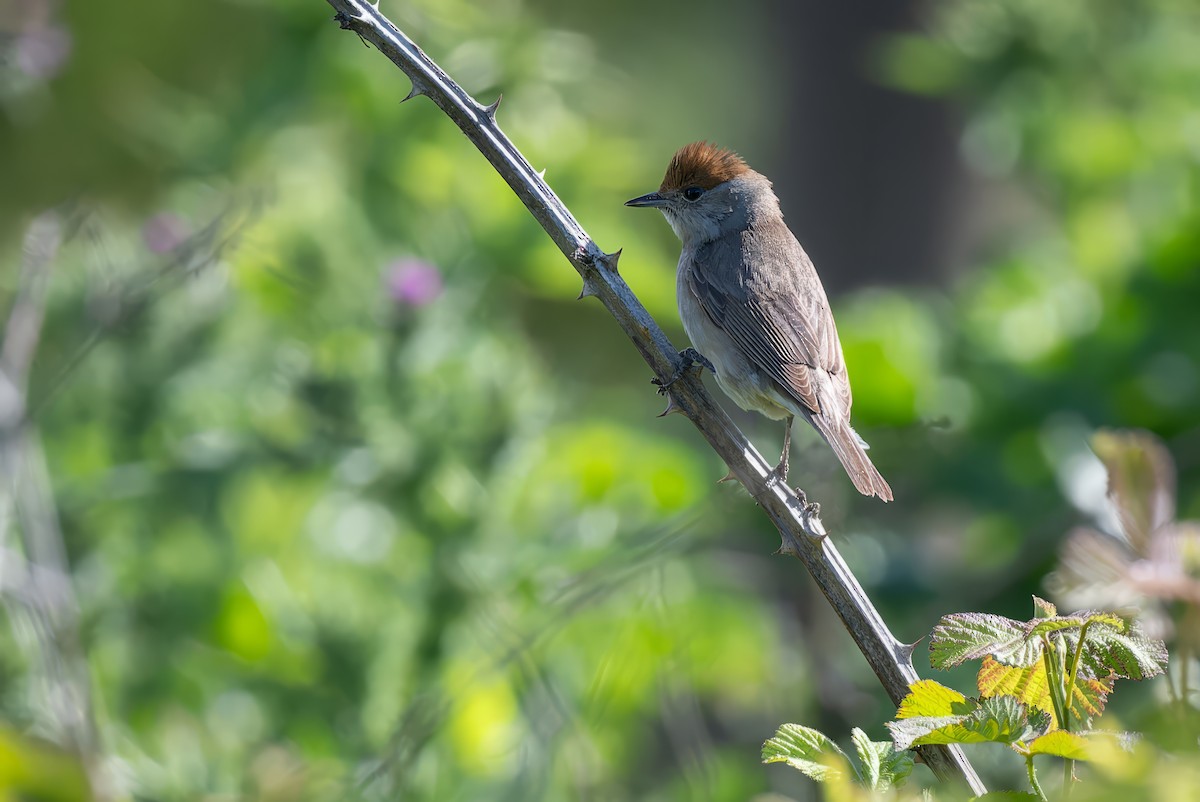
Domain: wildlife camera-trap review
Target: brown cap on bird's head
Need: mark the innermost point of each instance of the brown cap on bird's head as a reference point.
(702, 164)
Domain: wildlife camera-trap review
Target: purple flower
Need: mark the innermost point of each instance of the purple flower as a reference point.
(165, 232)
(42, 52)
(411, 282)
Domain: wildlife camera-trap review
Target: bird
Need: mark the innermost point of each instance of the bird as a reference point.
(753, 305)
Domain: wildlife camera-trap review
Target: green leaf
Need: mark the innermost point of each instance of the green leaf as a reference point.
(1002, 719)
(882, 765)
(1060, 743)
(869, 758)
(1007, 796)
(910, 732)
(806, 750)
(1043, 608)
(1129, 655)
(970, 636)
(1041, 626)
(1040, 722)
(896, 766)
(931, 698)
(999, 720)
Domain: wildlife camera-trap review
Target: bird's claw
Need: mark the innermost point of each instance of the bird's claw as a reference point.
(810, 507)
(690, 358)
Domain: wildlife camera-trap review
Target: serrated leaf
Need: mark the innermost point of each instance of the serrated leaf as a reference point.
(1000, 720)
(1141, 482)
(1060, 743)
(806, 750)
(881, 765)
(869, 758)
(929, 698)
(910, 732)
(1127, 655)
(1107, 619)
(1040, 722)
(1042, 626)
(970, 636)
(896, 767)
(1043, 608)
(1029, 685)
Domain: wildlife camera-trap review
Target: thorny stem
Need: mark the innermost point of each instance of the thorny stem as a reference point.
(1033, 780)
(799, 525)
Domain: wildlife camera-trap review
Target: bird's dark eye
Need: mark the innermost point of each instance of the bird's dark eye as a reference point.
(693, 193)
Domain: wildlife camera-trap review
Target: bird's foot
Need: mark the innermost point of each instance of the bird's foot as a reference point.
(690, 358)
(811, 507)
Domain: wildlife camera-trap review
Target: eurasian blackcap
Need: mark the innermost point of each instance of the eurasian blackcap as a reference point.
(751, 302)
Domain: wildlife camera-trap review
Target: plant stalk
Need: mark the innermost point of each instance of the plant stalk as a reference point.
(1072, 674)
(1054, 679)
(1033, 780)
(1072, 677)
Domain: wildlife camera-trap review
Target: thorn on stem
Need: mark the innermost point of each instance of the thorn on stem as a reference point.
(589, 289)
(416, 90)
(786, 547)
(904, 651)
(490, 110)
(729, 477)
(672, 407)
(610, 259)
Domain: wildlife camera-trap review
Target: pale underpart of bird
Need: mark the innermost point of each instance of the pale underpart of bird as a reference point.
(753, 305)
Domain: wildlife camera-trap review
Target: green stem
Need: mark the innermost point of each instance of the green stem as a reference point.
(1072, 674)
(1033, 780)
(1068, 702)
(1053, 679)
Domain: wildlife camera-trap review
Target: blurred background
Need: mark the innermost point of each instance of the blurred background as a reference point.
(320, 483)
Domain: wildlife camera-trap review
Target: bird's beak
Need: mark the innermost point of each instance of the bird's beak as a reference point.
(653, 199)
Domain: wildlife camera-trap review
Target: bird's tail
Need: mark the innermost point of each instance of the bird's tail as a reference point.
(852, 453)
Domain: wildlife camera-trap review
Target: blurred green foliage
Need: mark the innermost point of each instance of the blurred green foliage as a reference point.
(360, 502)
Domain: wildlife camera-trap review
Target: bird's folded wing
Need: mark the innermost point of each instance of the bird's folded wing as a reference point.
(786, 331)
